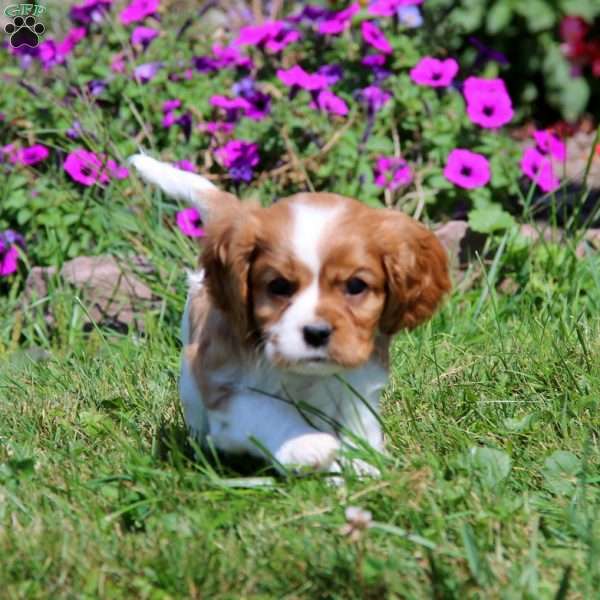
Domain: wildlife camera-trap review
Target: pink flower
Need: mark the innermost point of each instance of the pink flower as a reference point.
(467, 169)
(138, 10)
(374, 97)
(9, 253)
(375, 37)
(273, 35)
(188, 221)
(490, 110)
(339, 21)
(88, 168)
(169, 105)
(239, 157)
(214, 127)
(538, 168)
(143, 36)
(549, 143)
(186, 165)
(30, 156)
(373, 60)
(478, 85)
(327, 101)
(147, 71)
(434, 72)
(392, 172)
(299, 77)
(388, 8)
(73, 37)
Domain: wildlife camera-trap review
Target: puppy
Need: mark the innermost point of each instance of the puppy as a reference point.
(288, 322)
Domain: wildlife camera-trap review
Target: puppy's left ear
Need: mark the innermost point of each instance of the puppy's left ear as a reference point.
(416, 266)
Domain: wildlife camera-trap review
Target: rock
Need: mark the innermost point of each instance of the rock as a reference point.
(111, 292)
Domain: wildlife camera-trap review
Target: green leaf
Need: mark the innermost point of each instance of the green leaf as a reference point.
(490, 466)
(499, 16)
(490, 219)
(560, 472)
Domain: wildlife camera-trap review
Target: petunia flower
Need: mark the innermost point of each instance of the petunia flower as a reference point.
(186, 165)
(95, 87)
(387, 8)
(392, 172)
(89, 11)
(215, 127)
(328, 102)
(223, 57)
(489, 110)
(332, 73)
(117, 63)
(338, 22)
(374, 98)
(51, 52)
(147, 71)
(373, 36)
(239, 157)
(232, 107)
(143, 36)
(273, 36)
(138, 10)
(188, 220)
(115, 170)
(31, 155)
(538, 168)
(467, 169)
(311, 13)
(434, 72)
(9, 253)
(87, 168)
(297, 76)
(486, 54)
(549, 143)
(169, 105)
(477, 85)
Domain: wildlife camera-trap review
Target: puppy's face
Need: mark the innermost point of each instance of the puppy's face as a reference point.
(317, 276)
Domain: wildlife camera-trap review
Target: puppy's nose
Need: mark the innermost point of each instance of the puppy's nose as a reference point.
(316, 335)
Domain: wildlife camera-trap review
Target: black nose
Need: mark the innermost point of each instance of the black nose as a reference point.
(316, 335)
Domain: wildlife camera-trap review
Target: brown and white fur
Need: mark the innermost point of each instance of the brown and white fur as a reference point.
(288, 320)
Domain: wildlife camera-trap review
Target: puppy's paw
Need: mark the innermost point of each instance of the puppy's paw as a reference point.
(363, 468)
(313, 450)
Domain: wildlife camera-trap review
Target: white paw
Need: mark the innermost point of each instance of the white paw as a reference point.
(363, 468)
(314, 450)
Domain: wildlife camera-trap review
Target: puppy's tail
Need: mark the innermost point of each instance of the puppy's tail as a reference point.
(194, 189)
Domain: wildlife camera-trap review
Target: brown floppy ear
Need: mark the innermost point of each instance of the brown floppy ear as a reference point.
(227, 255)
(416, 267)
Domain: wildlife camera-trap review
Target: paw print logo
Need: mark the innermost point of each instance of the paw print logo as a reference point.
(24, 32)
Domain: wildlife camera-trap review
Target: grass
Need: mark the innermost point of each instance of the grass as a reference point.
(492, 488)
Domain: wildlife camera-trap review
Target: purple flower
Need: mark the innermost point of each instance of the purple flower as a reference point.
(297, 76)
(538, 168)
(373, 36)
(9, 253)
(31, 155)
(186, 165)
(332, 73)
(146, 72)
(75, 131)
(223, 57)
(258, 104)
(549, 143)
(188, 221)
(170, 105)
(117, 63)
(486, 54)
(310, 13)
(374, 97)
(338, 22)
(51, 53)
(467, 169)
(143, 36)
(489, 110)
(392, 172)
(434, 72)
(387, 8)
(214, 127)
(410, 16)
(373, 60)
(89, 11)
(232, 107)
(96, 86)
(328, 102)
(115, 170)
(138, 10)
(239, 157)
(274, 36)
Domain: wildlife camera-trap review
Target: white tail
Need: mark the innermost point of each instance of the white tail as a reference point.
(179, 184)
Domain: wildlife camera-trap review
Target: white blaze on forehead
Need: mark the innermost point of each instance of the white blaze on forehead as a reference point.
(310, 225)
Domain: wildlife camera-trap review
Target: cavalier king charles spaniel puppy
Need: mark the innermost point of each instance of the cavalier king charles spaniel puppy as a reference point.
(288, 320)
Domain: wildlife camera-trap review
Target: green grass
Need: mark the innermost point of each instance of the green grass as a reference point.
(492, 489)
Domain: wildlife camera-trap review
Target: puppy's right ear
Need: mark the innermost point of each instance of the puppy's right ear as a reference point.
(197, 191)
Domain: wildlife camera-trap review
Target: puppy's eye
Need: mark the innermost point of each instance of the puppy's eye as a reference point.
(280, 286)
(355, 286)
